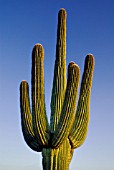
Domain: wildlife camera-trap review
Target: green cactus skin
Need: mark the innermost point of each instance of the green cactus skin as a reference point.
(68, 122)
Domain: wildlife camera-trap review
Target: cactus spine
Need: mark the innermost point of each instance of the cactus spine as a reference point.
(68, 122)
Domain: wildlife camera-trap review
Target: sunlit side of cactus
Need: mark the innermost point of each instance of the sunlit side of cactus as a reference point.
(68, 122)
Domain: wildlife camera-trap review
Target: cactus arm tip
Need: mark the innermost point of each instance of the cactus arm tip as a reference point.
(62, 11)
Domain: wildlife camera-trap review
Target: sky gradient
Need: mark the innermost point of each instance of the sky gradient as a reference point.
(90, 29)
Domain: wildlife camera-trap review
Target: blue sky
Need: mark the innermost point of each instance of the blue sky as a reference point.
(90, 29)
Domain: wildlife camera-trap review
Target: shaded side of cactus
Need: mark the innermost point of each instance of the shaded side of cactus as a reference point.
(68, 122)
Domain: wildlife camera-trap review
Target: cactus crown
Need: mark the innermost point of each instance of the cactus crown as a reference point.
(68, 122)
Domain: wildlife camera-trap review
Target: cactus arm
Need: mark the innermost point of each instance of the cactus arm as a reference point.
(59, 81)
(26, 118)
(80, 126)
(69, 106)
(40, 122)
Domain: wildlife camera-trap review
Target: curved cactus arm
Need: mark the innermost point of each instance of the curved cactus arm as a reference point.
(40, 121)
(69, 106)
(59, 81)
(80, 126)
(26, 118)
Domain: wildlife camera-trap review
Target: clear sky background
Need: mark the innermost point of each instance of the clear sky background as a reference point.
(90, 29)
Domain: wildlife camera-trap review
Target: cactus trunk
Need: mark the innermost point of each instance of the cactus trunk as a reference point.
(57, 159)
(69, 121)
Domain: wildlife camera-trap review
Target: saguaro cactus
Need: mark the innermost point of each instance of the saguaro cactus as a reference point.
(68, 122)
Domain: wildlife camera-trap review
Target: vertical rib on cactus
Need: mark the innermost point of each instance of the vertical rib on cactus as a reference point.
(68, 123)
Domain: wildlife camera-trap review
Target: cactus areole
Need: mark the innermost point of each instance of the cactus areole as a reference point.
(68, 122)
